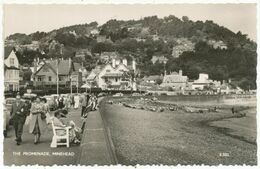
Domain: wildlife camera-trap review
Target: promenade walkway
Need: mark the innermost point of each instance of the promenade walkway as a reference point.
(95, 145)
(22, 155)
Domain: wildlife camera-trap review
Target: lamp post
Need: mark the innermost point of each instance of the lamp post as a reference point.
(57, 77)
(164, 64)
(70, 85)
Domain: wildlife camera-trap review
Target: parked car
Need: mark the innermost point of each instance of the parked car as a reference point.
(29, 96)
(118, 95)
(7, 117)
(102, 94)
(7, 113)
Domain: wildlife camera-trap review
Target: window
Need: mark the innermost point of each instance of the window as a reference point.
(39, 79)
(108, 70)
(11, 61)
(49, 78)
(116, 79)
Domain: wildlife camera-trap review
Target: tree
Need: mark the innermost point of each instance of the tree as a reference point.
(27, 75)
(185, 19)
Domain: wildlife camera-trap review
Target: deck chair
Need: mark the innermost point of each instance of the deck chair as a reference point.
(57, 139)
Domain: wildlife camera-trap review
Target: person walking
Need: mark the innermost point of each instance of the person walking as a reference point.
(83, 104)
(72, 100)
(76, 101)
(96, 102)
(60, 102)
(233, 110)
(18, 116)
(36, 125)
(47, 111)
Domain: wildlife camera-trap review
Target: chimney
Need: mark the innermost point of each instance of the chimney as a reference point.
(113, 63)
(134, 65)
(125, 62)
(180, 72)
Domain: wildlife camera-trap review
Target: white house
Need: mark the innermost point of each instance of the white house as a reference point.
(201, 82)
(11, 70)
(112, 76)
(175, 80)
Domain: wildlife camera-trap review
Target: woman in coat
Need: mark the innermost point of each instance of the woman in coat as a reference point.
(76, 101)
(46, 110)
(36, 125)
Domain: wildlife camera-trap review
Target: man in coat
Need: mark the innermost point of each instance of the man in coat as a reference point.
(18, 116)
(83, 104)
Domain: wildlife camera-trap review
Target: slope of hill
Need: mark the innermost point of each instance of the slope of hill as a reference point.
(158, 36)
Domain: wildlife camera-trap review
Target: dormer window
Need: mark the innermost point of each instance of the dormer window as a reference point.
(108, 70)
(11, 61)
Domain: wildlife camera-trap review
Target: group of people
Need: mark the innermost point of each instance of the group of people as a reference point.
(37, 115)
(75, 101)
(88, 102)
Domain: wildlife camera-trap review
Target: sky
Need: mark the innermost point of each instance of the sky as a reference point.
(31, 18)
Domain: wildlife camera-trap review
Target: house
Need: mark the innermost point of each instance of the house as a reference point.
(82, 53)
(160, 59)
(33, 46)
(11, 70)
(94, 32)
(155, 37)
(217, 44)
(47, 74)
(150, 82)
(139, 39)
(183, 44)
(103, 38)
(105, 57)
(76, 75)
(37, 64)
(152, 79)
(202, 82)
(113, 76)
(10, 43)
(175, 80)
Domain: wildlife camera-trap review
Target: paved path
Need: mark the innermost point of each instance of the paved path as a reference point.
(96, 145)
(19, 155)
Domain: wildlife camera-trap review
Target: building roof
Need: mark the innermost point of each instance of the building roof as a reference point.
(8, 50)
(112, 75)
(94, 72)
(63, 66)
(175, 78)
(153, 77)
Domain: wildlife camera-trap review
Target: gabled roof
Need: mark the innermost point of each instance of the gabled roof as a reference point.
(48, 65)
(63, 66)
(175, 78)
(8, 50)
(120, 64)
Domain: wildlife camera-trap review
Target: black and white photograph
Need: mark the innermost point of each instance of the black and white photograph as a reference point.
(129, 84)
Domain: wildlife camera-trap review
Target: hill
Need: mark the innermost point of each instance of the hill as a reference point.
(200, 46)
